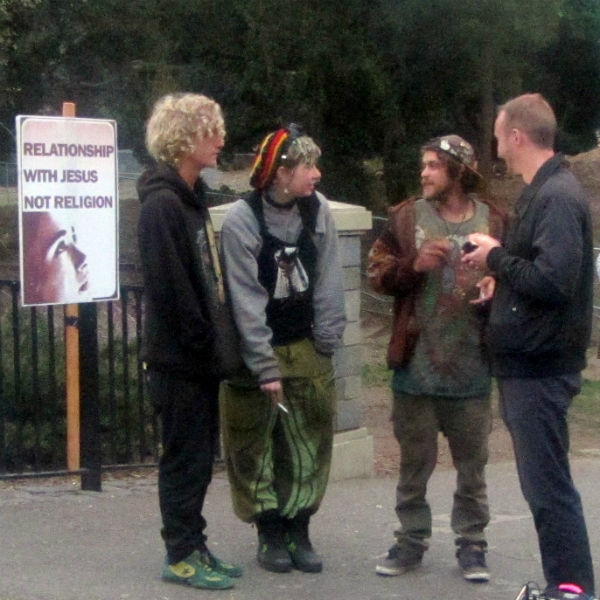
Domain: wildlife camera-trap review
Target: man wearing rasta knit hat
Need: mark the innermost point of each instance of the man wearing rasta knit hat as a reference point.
(282, 148)
(441, 378)
(281, 262)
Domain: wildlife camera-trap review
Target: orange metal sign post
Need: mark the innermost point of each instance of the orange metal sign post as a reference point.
(72, 361)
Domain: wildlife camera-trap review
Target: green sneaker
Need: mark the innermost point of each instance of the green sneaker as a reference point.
(194, 571)
(221, 566)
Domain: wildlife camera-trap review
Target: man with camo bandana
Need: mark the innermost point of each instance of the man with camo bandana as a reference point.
(441, 381)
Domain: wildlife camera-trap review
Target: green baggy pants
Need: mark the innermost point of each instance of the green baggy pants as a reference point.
(277, 460)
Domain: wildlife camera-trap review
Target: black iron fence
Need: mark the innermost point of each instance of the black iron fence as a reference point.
(120, 429)
(33, 428)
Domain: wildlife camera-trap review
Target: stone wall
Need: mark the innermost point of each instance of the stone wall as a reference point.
(347, 359)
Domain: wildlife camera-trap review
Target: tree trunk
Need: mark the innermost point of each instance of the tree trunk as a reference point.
(487, 112)
(395, 183)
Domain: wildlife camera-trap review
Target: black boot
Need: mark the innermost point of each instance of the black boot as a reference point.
(272, 552)
(304, 558)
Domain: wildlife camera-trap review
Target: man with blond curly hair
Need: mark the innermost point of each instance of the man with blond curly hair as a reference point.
(185, 326)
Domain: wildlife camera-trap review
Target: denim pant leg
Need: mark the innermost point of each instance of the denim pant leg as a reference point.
(535, 411)
(189, 416)
(416, 429)
(466, 422)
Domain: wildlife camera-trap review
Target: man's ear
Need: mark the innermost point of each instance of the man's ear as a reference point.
(517, 136)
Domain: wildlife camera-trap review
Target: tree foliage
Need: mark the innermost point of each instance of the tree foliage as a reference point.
(369, 79)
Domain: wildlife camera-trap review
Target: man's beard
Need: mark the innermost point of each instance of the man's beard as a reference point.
(441, 196)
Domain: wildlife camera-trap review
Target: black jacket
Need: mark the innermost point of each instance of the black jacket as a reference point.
(541, 315)
(178, 334)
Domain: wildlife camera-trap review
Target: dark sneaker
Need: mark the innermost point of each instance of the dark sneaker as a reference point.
(194, 571)
(401, 559)
(273, 556)
(471, 560)
(216, 564)
(304, 558)
(297, 541)
(565, 591)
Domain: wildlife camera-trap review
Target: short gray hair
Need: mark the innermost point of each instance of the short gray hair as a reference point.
(533, 115)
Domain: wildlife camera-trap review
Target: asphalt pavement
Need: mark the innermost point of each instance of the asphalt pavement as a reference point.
(59, 543)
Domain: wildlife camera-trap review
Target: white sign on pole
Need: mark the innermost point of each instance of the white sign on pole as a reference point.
(68, 210)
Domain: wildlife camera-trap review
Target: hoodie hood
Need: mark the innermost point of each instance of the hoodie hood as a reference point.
(162, 176)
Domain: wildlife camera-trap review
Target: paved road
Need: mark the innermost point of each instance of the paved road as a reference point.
(63, 544)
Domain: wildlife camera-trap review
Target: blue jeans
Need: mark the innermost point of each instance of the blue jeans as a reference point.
(535, 412)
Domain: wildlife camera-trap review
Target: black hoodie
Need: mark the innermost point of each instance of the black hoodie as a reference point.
(178, 333)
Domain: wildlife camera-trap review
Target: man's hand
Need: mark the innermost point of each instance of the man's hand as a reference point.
(484, 244)
(486, 286)
(433, 255)
(274, 390)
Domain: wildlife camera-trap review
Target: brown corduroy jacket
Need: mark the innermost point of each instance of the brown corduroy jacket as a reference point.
(390, 271)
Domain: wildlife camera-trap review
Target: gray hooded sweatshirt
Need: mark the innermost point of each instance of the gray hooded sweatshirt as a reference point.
(241, 243)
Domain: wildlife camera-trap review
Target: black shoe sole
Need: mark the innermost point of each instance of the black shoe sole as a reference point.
(275, 568)
(308, 568)
(388, 572)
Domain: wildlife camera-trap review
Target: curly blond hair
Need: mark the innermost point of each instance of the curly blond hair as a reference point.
(177, 120)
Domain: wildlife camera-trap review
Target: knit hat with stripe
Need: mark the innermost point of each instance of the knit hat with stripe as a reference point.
(268, 158)
(273, 153)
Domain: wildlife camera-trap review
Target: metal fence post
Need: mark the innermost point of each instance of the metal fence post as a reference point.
(91, 446)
